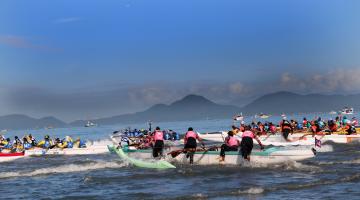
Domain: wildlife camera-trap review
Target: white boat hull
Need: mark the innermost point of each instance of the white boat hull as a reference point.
(232, 158)
(67, 151)
(278, 140)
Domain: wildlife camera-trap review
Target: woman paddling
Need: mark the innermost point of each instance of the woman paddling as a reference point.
(231, 144)
(246, 144)
(158, 139)
(190, 143)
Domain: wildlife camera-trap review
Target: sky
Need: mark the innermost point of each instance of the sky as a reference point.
(87, 59)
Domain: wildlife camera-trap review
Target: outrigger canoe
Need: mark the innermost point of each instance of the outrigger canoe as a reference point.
(67, 151)
(273, 155)
(278, 140)
(5, 157)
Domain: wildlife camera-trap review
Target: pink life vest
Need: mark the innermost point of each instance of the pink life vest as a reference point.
(355, 122)
(191, 134)
(273, 129)
(232, 141)
(159, 135)
(248, 134)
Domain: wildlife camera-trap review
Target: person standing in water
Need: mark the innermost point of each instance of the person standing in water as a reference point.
(231, 144)
(158, 139)
(286, 129)
(190, 141)
(247, 143)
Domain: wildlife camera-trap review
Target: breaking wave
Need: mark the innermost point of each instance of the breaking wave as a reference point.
(70, 168)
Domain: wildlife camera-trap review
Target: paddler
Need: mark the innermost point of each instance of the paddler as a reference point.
(190, 141)
(17, 144)
(316, 128)
(231, 144)
(46, 143)
(158, 142)
(33, 140)
(332, 125)
(354, 122)
(79, 143)
(26, 144)
(235, 130)
(247, 143)
(6, 144)
(272, 128)
(286, 129)
(349, 128)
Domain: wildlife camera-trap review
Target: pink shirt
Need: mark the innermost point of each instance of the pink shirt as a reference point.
(248, 134)
(232, 141)
(159, 135)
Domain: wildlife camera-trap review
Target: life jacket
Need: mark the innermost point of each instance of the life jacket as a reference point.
(27, 145)
(261, 128)
(315, 128)
(273, 129)
(167, 136)
(242, 128)
(82, 144)
(299, 126)
(304, 122)
(8, 146)
(285, 125)
(333, 127)
(159, 135)
(350, 129)
(248, 134)
(191, 134)
(232, 141)
(176, 136)
(46, 144)
(70, 145)
(355, 122)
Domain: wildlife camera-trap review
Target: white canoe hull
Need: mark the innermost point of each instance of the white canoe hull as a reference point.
(9, 158)
(232, 158)
(68, 151)
(278, 140)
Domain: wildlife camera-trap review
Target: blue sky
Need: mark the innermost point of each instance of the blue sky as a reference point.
(77, 59)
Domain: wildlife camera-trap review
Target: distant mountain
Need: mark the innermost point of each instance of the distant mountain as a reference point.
(191, 107)
(287, 102)
(17, 121)
(194, 107)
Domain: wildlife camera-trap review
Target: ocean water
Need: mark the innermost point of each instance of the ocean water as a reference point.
(332, 174)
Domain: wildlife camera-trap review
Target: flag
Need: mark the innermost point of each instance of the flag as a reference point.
(317, 143)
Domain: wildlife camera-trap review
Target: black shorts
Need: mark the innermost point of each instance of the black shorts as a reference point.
(286, 133)
(246, 146)
(158, 148)
(190, 143)
(225, 148)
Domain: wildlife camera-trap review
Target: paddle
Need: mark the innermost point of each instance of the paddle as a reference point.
(175, 153)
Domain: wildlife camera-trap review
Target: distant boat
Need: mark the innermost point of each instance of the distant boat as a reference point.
(239, 117)
(333, 112)
(262, 116)
(89, 124)
(347, 111)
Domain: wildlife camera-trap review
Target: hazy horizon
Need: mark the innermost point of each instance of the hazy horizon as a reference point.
(90, 59)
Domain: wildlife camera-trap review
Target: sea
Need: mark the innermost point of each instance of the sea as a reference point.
(333, 174)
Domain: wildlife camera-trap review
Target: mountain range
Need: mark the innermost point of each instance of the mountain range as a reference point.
(194, 107)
